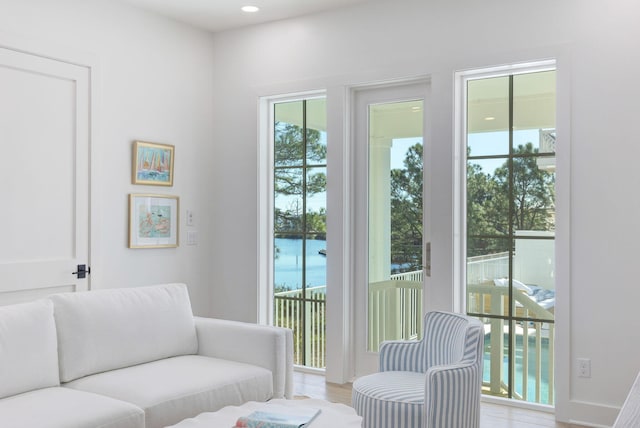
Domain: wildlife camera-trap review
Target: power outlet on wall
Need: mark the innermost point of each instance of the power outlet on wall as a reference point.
(190, 219)
(584, 367)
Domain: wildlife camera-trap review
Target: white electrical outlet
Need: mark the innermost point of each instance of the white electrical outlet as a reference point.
(584, 367)
(190, 219)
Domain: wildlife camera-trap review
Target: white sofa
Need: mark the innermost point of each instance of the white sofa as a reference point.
(129, 358)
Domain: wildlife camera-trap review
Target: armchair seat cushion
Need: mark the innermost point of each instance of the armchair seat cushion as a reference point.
(397, 395)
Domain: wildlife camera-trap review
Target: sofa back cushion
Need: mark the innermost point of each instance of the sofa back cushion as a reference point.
(28, 348)
(110, 329)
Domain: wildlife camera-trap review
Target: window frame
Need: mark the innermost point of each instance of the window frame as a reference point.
(266, 197)
(460, 186)
(460, 162)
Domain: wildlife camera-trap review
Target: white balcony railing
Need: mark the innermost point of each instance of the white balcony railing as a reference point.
(307, 319)
(395, 308)
(488, 267)
(532, 341)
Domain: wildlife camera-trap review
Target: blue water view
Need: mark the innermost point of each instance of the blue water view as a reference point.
(288, 263)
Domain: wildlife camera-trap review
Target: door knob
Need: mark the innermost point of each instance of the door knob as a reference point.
(82, 271)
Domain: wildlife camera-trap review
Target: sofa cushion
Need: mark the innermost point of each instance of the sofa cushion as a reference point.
(66, 408)
(177, 388)
(110, 329)
(28, 348)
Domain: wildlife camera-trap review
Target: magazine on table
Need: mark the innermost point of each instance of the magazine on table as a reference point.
(276, 416)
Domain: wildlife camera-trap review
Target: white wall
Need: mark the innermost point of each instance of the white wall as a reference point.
(598, 64)
(154, 84)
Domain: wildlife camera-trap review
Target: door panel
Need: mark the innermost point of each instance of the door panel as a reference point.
(44, 137)
(390, 227)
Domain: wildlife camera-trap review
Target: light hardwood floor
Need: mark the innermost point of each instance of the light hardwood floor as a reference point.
(491, 416)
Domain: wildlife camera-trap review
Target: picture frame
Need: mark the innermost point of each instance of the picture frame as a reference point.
(153, 221)
(153, 163)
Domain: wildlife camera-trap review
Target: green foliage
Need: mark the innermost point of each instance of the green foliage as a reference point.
(406, 210)
(490, 209)
(317, 223)
(483, 215)
(289, 152)
(481, 189)
(533, 190)
(289, 180)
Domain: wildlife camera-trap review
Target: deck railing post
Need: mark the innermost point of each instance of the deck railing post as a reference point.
(497, 343)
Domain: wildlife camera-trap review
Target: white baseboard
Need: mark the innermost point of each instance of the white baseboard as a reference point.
(591, 414)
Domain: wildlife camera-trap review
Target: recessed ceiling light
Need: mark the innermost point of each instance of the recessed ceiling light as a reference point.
(489, 118)
(250, 9)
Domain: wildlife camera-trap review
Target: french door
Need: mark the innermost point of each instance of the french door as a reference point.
(390, 229)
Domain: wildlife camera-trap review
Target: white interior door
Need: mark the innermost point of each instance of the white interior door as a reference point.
(44, 141)
(391, 231)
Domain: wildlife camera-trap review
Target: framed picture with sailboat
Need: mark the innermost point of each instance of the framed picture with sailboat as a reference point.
(152, 163)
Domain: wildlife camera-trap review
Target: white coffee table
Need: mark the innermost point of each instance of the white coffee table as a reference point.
(332, 415)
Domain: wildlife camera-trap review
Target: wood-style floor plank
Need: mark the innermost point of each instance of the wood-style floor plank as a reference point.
(491, 415)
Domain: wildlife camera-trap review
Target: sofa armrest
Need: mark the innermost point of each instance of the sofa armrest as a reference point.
(264, 346)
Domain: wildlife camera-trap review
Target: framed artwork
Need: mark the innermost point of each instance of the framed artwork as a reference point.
(153, 221)
(152, 163)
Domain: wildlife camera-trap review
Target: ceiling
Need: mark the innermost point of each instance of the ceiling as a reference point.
(220, 15)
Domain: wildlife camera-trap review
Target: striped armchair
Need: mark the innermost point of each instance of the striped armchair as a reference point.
(432, 383)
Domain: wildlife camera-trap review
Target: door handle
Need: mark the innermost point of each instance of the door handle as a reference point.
(82, 271)
(427, 259)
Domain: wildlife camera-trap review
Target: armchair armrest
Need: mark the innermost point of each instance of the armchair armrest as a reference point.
(447, 384)
(264, 346)
(401, 355)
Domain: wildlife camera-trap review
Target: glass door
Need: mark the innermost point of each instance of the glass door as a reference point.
(390, 233)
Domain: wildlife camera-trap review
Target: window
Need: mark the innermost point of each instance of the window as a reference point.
(509, 143)
(299, 225)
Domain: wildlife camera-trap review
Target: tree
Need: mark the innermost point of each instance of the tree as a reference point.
(406, 210)
(489, 203)
(289, 154)
(483, 217)
(317, 224)
(533, 191)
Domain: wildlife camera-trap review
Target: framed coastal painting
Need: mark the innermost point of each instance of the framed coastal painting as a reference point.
(153, 221)
(153, 163)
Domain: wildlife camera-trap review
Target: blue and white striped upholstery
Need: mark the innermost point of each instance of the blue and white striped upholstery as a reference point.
(433, 383)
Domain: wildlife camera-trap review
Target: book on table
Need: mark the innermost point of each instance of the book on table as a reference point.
(276, 416)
